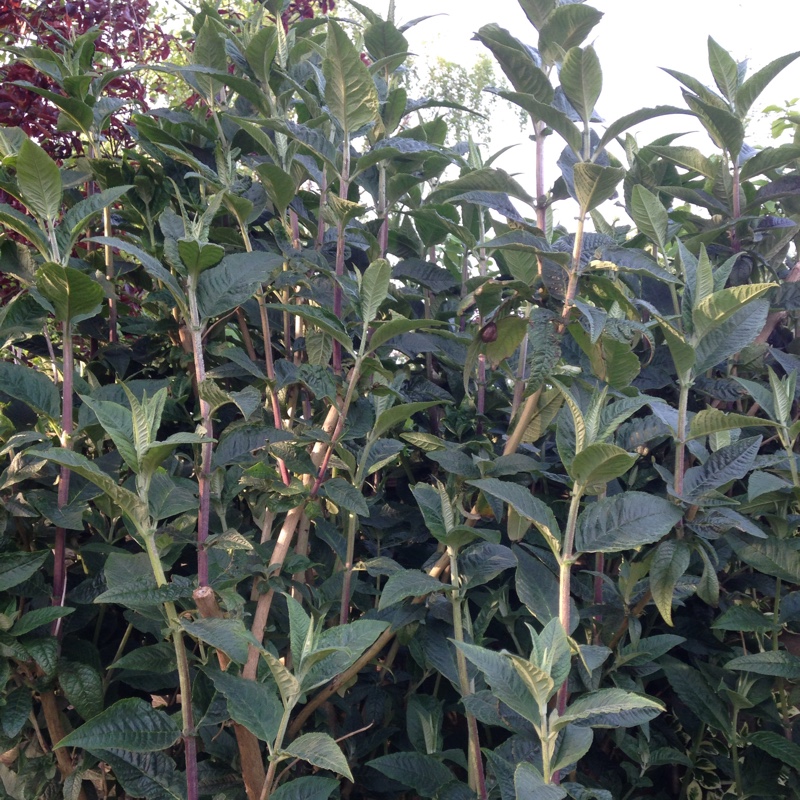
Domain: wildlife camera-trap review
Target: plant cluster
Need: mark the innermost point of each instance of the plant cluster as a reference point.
(329, 472)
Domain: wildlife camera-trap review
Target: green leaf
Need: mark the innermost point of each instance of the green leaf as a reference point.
(573, 745)
(279, 185)
(345, 495)
(198, 257)
(697, 694)
(142, 591)
(485, 179)
(117, 422)
(82, 686)
(17, 221)
(670, 562)
(234, 281)
(320, 750)
(525, 504)
(350, 92)
(710, 312)
(505, 682)
(528, 783)
(16, 711)
(538, 589)
(731, 336)
(383, 40)
(130, 724)
(724, 128)
(609, 708)
(776, 557)
(511, 332)
(566, 27)
(749, 91)
(683, 355)
(537, 11)
(582, 80)
(626, 121)
(650, 216)
(713, 420)
(322, 319)
(777, 663)
(150, 775)
(516, 62)
(397, 414)
(421, 772)
(552, 117)
(724, 69)
(228, 635)
(397, 326)
(374, 288)
(129, 503)
(768, 159)
(151, 265)
(15, 568)
(34, 619)
(726, 464)
(625, 521)
(73, 294)
(777, 746)
(79, 215)
(307, 787)
(599, 463)
(252, 704)
(688, 157)
(595, 184)
(39, 182)
(743, 618)
(288, 685)
(32, 387)
(408, 583)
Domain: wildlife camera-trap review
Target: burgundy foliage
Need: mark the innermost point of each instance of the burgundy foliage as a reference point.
(126, 37)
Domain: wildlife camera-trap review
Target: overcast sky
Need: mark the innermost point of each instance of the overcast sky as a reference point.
(634, 39)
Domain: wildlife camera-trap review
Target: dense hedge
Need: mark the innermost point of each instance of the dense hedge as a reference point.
(332, 468)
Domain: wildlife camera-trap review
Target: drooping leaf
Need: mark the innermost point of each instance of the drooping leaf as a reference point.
(73, 294)
(250, 703)
(306, 787)
(668, 566)
(777, 663)
(82, 686)
(594, 184)
(228, 635)
(345, 495)
(566, 27)
(130, 724)
(625, 521)
(599, 463)
(777, 746)
(32, 387)
(320, 750)
(528, 783)
(609, 708)
(408, 583)
(233, 281)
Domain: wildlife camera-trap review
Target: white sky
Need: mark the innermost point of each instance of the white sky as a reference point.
(634, 39)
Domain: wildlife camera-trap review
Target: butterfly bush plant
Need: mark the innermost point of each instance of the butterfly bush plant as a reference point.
(335, 466)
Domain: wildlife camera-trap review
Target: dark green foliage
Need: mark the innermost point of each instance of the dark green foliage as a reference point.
(328, 471)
